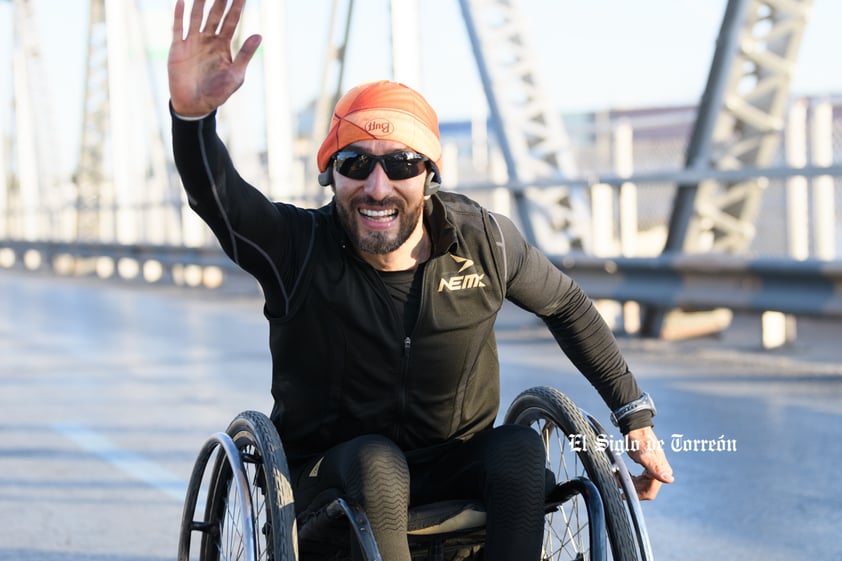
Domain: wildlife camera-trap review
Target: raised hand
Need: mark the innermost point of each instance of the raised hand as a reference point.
(202, 72)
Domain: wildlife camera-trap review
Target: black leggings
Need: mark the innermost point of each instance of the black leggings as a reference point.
(502, 467)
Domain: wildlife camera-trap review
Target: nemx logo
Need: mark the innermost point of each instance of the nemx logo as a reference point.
(462, 282)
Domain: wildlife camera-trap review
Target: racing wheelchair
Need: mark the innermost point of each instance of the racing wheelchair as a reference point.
(592, 512)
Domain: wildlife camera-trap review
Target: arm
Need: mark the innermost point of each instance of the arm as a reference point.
(202, 76)
(254, 232)
(249, 227)
(537, 285)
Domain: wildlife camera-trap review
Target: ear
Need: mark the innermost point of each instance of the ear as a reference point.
(326, 177)
(432, 183)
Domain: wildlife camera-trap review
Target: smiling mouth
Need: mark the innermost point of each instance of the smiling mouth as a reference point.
(378, 215)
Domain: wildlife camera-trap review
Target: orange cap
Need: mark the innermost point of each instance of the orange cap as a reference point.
(382, 110)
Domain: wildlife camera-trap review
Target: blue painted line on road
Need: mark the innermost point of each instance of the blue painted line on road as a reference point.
(128, 462)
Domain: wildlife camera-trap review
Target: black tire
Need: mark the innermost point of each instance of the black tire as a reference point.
(562, 424)
(267, 474)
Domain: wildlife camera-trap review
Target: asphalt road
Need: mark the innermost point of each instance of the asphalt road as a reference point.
(107, 391)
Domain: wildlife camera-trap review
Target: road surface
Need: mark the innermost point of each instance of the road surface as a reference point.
(108, 390)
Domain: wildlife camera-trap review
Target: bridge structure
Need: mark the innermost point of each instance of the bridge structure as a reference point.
(750, 171)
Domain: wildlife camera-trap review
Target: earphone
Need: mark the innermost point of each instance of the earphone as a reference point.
(326, 177)
(433, 182)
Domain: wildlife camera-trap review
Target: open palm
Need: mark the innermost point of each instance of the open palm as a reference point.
(202, 73)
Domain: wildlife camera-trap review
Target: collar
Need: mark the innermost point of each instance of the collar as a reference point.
(441, 229)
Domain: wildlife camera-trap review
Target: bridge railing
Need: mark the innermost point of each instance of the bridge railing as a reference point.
(707, 281)
(193, 267)
(779, 282)
(700, 281)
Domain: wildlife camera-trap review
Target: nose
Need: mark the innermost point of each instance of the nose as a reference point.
(377, 184)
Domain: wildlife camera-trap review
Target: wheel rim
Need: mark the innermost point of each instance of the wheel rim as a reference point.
(230, 542)
(566, 528)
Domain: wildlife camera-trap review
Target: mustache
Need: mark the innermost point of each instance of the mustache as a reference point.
(369, 201)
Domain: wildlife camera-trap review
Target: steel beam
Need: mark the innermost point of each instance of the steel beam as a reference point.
(33, 190)
(528, 127)
(740, 122)
(91, 173)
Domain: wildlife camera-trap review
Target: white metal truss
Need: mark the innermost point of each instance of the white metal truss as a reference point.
(91, 172)
(35, 174)
(276, 102)
(740, 123)
(333, 69)
(125, 185)
(529, 128)
(406, 61)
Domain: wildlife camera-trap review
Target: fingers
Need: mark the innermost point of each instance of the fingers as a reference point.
(178, 21)
(215, 16)
(196, 16)
(229, 26)
(646, 486)
(661, 468)
(247, 52)
(648, 452)
(655, 465)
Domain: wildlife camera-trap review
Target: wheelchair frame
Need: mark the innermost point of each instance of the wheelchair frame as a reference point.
(249, 513)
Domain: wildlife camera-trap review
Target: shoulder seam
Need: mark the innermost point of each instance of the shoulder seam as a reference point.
(502, 244)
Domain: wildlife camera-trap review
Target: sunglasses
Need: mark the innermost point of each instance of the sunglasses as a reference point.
(397, 165)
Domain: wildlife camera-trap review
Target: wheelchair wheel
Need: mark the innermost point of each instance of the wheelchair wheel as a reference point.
(272, 507)
(573, 451)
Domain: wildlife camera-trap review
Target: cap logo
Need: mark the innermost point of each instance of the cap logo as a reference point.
(379, 127)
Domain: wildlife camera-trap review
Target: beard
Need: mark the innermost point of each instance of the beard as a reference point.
(378, 242)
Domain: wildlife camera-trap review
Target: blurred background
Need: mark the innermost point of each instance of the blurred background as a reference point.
(605, 129)
(679, 158)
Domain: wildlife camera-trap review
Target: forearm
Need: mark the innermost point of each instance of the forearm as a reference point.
(231, 207)
(574, 322)
(589, 343)
(205, 170)
(253, 231)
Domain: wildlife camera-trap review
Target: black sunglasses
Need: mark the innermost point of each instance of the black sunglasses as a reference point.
(397, 165)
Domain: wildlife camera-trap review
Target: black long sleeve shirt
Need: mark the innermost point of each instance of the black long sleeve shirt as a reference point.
(345, 361)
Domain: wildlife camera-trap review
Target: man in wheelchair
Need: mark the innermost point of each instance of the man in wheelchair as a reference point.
(381, 308)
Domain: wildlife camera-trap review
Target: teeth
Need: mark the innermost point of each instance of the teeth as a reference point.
(377, 213)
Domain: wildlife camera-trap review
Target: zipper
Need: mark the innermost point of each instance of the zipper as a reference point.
(407, 354)
(403, 398)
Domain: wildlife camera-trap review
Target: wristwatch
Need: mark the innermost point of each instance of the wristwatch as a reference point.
(639, 404)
